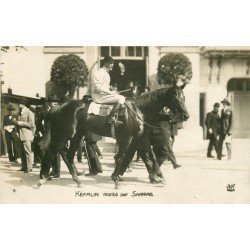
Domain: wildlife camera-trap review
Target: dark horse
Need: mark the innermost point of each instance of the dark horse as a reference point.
(72, 119)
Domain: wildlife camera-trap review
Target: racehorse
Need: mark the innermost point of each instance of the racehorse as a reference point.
(72, 119)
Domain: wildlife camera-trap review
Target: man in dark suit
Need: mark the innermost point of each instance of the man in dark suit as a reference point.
(39, 122)
(52, 103)
(213, 126)
(11, 134)
(160, 139)
(91, 154)
(226, 123)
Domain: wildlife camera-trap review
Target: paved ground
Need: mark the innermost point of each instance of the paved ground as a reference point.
(199, 180)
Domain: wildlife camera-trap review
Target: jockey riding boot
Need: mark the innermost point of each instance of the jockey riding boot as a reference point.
(114, 113)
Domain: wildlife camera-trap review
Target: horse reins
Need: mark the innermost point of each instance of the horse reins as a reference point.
(151, 126)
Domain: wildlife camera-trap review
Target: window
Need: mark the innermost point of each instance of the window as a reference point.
(104, 51)
(110, 51)
(130, 51)
(115, 51)
(238, 84)
(137, 52)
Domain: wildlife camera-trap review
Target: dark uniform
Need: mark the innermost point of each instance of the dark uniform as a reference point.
(161, 142)
(44, 143)
(39, 121)
(158, 137)
(213, 122)
(91, 153)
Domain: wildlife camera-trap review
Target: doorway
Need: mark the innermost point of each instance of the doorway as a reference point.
(240, 92)
(132, 59)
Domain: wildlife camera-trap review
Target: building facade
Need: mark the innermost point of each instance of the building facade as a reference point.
(218, 72)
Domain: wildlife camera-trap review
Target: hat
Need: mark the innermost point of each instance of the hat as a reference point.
(53, 98)
(216, 105)
(108, 59)
(225, 100)
(87, 98)
(11, 107)
(33, 108)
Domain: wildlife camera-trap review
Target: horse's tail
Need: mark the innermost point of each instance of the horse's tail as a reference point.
(135, 114)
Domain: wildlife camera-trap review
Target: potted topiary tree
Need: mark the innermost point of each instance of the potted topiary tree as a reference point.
(69, 72)
(172, 66)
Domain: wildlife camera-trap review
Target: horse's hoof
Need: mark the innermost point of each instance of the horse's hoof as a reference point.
(120, 179)
(38, 185)
(113, 177)
(117, 185)
(75, 178)
(79, 173)
(79, 185)
(162, 179)
(154, 179)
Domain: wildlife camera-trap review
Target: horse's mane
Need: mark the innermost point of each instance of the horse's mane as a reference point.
(69, 106)
(152, 98)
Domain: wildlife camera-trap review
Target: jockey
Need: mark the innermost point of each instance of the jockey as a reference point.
(101, 89)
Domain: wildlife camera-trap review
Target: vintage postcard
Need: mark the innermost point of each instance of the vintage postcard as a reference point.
(125, 124)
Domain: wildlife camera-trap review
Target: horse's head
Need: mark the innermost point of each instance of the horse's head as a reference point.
(176, 103)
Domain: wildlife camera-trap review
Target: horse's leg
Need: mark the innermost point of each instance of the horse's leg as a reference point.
(71, 168)
(69, 156)
(128, 157)
(45, 167)
(65, 151)
(123, 144)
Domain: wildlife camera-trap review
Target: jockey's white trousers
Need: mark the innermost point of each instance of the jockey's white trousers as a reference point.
(108, 98)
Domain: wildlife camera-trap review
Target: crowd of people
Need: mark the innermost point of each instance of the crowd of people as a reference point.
(25, 127)
(219, 128)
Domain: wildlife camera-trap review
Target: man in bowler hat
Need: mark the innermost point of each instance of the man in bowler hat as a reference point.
(226, 123)
(11, 136)
(213, 125)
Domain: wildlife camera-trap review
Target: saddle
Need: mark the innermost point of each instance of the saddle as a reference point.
(103, 109)
(99, 109)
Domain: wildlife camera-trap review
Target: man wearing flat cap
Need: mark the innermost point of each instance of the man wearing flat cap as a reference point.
(101, 89)
(226, 123)
(26, 127)
(213, 124)
(11, 134)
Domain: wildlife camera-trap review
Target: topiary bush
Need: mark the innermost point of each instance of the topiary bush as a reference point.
(68, 72)
(173, 65)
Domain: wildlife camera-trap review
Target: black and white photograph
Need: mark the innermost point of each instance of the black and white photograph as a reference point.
(125, 124)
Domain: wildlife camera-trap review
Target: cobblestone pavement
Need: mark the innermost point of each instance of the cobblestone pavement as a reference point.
(199, 180)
